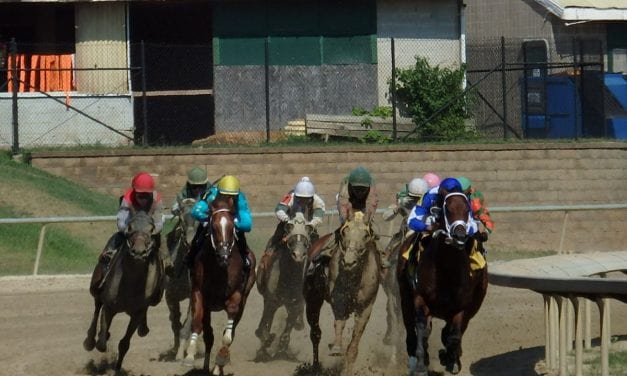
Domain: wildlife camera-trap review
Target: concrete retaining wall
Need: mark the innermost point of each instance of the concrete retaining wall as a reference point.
(508, 175)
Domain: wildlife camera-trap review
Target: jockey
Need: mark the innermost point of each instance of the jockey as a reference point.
(140, 197)
(432, 179)
(407, 199)
(479, 210)
(357, 193)
(423, 218)
(196, 185)
(227, 185)
(302, 198)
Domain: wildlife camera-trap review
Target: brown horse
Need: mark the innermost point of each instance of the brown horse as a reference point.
(276, 285)
(179, 286)
(442, 285)
(351, 287)
(133, 282)
(218, 283)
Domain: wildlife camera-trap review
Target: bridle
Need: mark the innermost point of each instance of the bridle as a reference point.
(449, 227)
(224, 245)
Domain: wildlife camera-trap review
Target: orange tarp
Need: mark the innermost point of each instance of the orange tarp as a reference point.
(42, 72)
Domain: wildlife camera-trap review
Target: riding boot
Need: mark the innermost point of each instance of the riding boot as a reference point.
(109, 251)
(243, 250)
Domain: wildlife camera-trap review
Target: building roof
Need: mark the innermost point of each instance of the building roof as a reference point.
(587, 10)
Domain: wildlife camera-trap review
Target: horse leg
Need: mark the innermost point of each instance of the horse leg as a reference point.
(207, 336)
(423, 329)
(197, 308)
(184, 333)
(314, 297)
(175, 321)
(335, 348)
(293, 310)
(143, 329)
(234, 313)
(105, 323)
(361, 319)
(452, 341)
(125, 342)
(270, 306)
(90, 340)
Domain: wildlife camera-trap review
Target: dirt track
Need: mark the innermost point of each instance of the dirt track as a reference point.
(43, 322)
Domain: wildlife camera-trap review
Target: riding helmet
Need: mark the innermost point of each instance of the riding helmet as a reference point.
(360, 177)
(143, 182)
(197, 176)
(229, 185)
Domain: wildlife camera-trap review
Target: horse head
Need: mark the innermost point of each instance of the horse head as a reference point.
(455, 219)
(298, 237)
(187, 221)
(139, 235)
(222, 229)
(354, 238)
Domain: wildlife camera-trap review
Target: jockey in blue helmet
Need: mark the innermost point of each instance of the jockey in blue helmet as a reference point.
(420, 219)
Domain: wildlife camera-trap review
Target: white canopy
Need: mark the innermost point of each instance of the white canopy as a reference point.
(587, 10)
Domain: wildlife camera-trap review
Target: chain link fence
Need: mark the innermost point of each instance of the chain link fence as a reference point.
(169, 94)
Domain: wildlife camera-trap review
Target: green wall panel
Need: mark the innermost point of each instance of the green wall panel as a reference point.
(349, 50)
(295, 51)
(300, 32)
(240, 51)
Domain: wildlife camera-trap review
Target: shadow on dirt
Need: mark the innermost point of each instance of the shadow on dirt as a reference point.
(524, 361)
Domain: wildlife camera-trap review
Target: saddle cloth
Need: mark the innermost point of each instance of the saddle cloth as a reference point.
(477, 261)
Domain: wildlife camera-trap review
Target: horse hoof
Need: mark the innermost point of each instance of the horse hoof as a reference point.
(143, 330)
(299, 324)
(89, 344)
(187, 362)
(262, 356)
(101, 346)
(335, 350)
(454, 367)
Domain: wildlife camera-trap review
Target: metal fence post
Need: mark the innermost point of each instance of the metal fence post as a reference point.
(267, 85)
(144, 98)
(504, 87)
(15, 82)
(393, 89)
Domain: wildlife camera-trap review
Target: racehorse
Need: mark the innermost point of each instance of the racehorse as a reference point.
(218, 283)
(178, 287)
(133, 282)
(351, 287)
(276, 284)
(442, 285)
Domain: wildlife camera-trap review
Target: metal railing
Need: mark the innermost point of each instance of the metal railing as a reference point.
(329, 214)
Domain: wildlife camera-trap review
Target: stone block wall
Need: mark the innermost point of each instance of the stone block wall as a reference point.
(508, 175)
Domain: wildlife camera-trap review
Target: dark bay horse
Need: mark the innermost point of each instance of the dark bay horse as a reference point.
(219, 283)
(179, 287)
(441, 285)
(279, 284)
(133, 283)
(351, 287)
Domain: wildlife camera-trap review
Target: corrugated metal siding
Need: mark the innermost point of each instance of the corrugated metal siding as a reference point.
(101, 43)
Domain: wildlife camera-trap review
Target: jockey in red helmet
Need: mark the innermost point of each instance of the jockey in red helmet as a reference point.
(140, 197)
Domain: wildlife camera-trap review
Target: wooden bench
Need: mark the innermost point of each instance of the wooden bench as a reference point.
(354, 127)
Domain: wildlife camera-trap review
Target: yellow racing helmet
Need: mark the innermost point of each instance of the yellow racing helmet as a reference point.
(229, 185)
